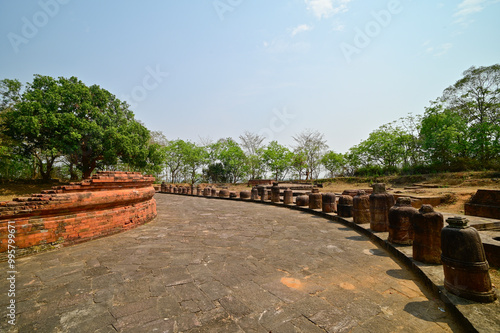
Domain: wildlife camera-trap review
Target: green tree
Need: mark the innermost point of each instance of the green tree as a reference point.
(89, 125)
(298, 163)
(333, 162)
(409, 130)
(194, 157)
(444, 136)
(312, 145)
(476, 98)
(278, 159)
(253, 146)
(32, 121)
(382, 147)
(13, 164)
(174, 151)
(229, 162)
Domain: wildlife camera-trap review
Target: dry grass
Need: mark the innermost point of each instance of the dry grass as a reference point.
(12, 190)
(495, 277)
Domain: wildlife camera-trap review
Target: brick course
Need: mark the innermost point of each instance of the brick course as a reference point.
(108, 203)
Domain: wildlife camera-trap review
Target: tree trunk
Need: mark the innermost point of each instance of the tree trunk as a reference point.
(72, 172)
(88, 167)
(46, 174)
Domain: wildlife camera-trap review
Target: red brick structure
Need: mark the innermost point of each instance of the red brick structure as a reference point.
(255, 182)
(108, 203)
(485, 203)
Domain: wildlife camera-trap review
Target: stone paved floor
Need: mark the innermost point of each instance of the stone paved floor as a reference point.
(223, 266)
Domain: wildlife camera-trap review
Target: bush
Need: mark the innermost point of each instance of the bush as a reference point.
(375, 171)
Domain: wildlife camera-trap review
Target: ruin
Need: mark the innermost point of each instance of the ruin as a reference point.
(400, 227)
(108, 203)
(329, 203)
(380, 203)
(427, 225)
(288, 197)
(485, 203)
(361, 208)
(315, 199)
(344, 206)
(465, 267)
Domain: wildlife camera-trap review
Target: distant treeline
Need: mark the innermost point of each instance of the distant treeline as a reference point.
(62, 128)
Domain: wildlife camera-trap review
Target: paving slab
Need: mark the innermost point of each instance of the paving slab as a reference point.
(208, 265)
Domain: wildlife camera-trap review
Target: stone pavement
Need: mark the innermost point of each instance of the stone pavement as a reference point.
(223, 266)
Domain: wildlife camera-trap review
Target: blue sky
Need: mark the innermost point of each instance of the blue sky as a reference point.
(216, 68)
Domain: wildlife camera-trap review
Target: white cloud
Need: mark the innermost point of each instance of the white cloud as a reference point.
(470, 7)
(441, 50)
(337, 26)
(435, 51)
(327, 8)
(284, 46)
(301, 28)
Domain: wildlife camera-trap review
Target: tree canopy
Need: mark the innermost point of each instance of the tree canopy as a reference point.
(52, 118)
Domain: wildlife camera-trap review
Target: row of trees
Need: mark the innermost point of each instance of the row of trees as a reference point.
(63, 124)
(458, 131)
(227, 161)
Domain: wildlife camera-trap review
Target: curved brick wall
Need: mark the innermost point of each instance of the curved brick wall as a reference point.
(108, 203)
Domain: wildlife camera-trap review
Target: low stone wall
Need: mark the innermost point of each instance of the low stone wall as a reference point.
(254, 182)
(108, 203)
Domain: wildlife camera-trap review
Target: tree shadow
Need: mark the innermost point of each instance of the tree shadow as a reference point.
(376, 252)
(398, 274)
(432, 311)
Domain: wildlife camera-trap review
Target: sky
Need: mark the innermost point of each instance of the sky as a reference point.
(210, 69)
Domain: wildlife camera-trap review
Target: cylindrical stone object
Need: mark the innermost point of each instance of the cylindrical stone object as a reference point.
(315, 199)
(344, 207)
(464, 262)
(163, 187)
(224, 193)
(184, 190)
(198, 190)
(288, 197)
(302, 200)
(213, 192)
(427, 225)
(261, 190)
(254, 194)
(176, 189)
(361, 208)
(233, 194)
(380, 203)
(263, 194)
(275, 193)
(400, 217)
(207, 191)
(245, 195)
(329, 203)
